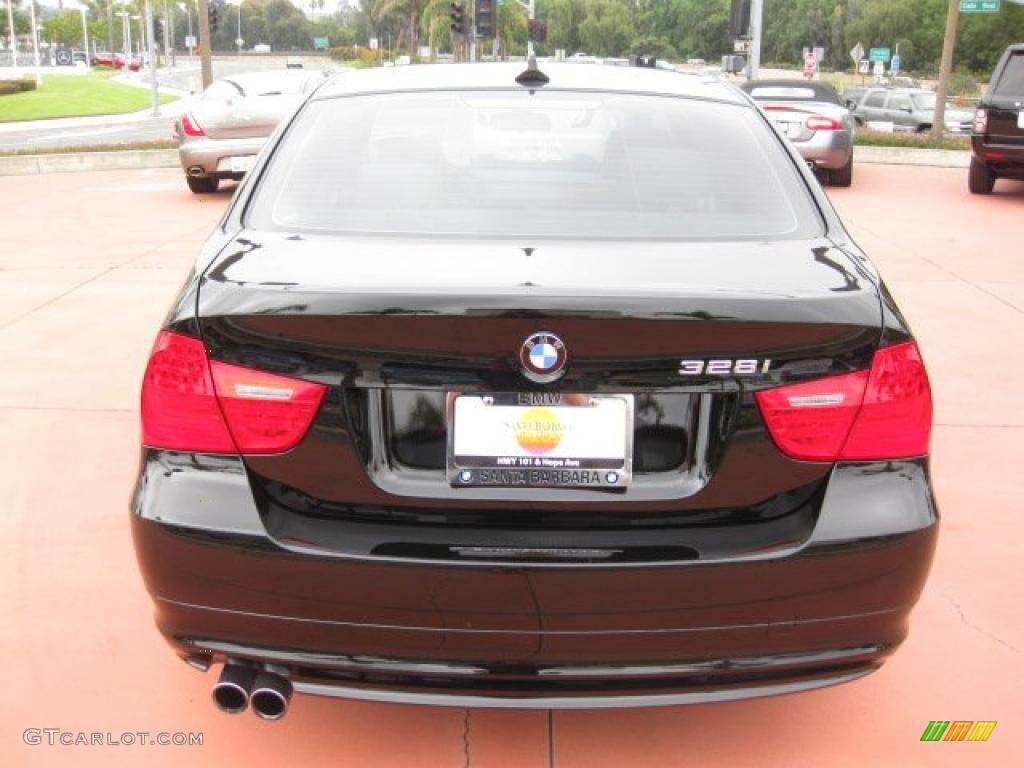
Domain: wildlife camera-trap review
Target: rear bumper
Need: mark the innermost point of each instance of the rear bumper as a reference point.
(1003, 159)
(206, 154)
(827, 149)
(552, 635)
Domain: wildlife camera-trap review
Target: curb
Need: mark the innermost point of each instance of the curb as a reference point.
(27, 165)
(938, 158)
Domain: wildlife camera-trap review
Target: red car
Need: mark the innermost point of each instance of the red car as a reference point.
(115, 61)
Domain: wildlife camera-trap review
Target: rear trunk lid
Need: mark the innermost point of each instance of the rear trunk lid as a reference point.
(245, 116)
(394, 325)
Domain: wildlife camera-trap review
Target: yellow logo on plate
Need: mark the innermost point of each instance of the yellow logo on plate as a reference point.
(539, 431)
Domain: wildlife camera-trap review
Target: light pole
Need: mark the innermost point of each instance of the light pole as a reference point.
(189, 35)
(85, 35)
(126, 36)
(35, 41)
(154, 87)
(13, 38)
(238, 40)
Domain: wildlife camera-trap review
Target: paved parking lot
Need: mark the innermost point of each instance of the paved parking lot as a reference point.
(88, 264)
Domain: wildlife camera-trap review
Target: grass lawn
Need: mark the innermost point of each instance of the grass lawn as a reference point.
(74, 96)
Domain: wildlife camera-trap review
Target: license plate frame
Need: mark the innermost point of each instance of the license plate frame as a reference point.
(564, 440)
(236, 163)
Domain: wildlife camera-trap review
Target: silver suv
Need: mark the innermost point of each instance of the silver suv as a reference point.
(908, 109)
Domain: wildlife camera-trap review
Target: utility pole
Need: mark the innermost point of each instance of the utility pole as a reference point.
(946, 69)
(756, 22)
(205, 63)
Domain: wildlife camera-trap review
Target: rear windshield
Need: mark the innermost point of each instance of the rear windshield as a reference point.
(1011, 81)
(551, 164)
(793, 90)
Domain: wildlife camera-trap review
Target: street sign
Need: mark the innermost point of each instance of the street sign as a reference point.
(863, 66)
(979, 6)
(857, 53)
(895, 64)
(880, 54)
(321, 43)
(810, 65)
(190, 41)
(879, 68)
(739, 45)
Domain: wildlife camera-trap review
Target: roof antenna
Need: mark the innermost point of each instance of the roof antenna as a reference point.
(532, 77)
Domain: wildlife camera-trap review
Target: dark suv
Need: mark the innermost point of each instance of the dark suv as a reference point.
(997, 139)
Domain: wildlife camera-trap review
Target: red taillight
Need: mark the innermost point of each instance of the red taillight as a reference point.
(179, 403)
(981, 120)
(190, 127)
(191, 404)
(266, 413)
(822, 123)
(884, 413)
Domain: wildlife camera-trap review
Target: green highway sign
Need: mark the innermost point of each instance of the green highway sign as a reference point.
(879, 54)
(979, 6)
(321, 43)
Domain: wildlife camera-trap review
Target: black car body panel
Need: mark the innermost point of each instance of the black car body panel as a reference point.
(351, 566)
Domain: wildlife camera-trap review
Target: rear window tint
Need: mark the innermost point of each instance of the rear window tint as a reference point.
(551, 164)
(1011, 80)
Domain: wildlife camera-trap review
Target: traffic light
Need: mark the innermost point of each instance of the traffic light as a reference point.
(214, 15)
(538, 30)
(739, 19)
(158, 30)
(484, 18)
(458, 16)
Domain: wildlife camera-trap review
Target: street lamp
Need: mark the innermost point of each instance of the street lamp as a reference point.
(85, 36)
(13, 38)
(35, 42)
(238, 40)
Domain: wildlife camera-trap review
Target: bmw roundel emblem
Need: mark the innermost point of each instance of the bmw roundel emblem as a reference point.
(543, 357)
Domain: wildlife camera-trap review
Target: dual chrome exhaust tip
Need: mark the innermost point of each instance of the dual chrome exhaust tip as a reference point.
(241, 686)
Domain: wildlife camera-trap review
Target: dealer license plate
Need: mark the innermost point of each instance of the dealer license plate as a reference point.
(236, 164)
(540, 439)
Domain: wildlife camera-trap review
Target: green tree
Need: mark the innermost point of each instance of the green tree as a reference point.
(512, 29)
(607, 28)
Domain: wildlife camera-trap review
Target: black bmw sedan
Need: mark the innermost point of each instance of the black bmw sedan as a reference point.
(559, 388)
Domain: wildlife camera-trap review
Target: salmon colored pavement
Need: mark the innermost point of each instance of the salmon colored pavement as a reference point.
(88, 265)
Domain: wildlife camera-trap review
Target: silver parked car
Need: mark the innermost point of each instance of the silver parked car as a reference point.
(909, 109)
(219, 137)
(815, 119)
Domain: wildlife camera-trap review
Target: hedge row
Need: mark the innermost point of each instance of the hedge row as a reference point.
(8, 87)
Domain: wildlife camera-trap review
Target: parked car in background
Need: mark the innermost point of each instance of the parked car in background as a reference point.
(997, 132)
(812, 116)
(851, 96)
(219, 137)
(103, 59)
(544, 389)
(909, 109)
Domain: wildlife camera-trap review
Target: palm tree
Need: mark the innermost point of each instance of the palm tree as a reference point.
(437, 24)
(410, 11)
